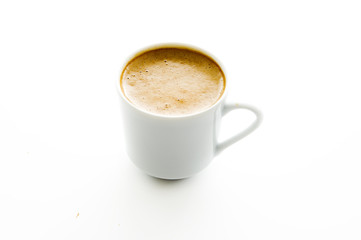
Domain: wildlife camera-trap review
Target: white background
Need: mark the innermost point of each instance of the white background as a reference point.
(61, 148)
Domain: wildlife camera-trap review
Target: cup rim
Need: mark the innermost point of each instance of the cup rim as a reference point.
(171, 45)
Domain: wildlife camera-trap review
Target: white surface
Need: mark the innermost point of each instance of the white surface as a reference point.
(61, 150)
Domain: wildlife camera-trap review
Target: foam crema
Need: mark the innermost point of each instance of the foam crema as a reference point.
(172, 81)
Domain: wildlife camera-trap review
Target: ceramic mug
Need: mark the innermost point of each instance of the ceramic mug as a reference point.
(176, 147)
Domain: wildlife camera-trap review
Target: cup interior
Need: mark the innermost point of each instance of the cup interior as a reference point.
(177, 46)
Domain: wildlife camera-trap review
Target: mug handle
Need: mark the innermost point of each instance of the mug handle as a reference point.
(233, 106)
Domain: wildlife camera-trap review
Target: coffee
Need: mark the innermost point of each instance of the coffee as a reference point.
(172, 81)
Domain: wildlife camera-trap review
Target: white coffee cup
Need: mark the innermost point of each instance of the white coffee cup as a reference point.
(176, 147)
